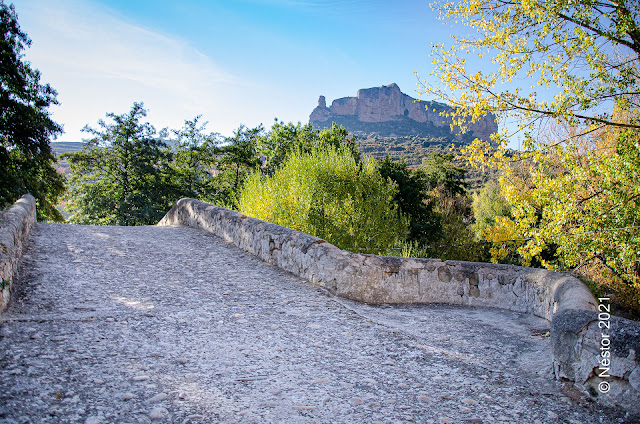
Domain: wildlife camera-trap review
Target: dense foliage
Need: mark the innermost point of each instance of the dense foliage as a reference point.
(572, 194)
(26, 128)
(577, 208)
(121, 177)
(234, 161)
(413, 200)
(328, 193)
(193, 155)
(284, 139)
(489, 204)
(423, 195)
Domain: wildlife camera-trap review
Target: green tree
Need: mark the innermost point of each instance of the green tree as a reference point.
(235, 160)
(26, 159)
(252, 149)
(452, 204)
(121, 175)
(194, 156)
(442, 172)
(435, 200)
(338, 137)
(283, 139)
(327, 193)
(456, 218)
(413, 200)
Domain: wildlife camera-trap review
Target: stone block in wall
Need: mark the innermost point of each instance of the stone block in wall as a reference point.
(599, 354)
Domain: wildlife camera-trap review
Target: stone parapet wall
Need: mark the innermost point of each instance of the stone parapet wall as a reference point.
(560, 298)
(15, 225)
(382, 279)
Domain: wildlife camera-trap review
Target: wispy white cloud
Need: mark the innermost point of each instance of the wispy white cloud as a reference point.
(101, 63)
(107, 46)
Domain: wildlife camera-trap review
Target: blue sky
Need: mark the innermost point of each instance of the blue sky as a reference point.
(234, 62)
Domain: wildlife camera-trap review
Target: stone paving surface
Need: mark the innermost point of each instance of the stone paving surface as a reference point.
(173, 325)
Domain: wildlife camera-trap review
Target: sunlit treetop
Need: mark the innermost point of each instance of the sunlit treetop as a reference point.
(583, 54)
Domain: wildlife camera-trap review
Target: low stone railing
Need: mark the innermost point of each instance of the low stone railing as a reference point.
(15, 225)
(560, 298)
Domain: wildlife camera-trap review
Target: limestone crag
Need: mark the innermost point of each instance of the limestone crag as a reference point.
(389, 112)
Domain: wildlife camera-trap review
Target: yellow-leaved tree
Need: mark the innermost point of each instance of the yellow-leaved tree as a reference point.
(566, 75)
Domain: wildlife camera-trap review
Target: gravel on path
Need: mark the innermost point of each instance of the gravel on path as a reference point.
(173, 325)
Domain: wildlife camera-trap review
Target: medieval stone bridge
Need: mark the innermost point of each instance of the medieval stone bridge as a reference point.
(173, 324)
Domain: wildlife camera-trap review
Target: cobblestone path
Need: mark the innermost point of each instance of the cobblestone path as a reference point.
(166, 324)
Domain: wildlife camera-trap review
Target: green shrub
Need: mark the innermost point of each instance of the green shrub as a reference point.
(329, 194)
(488, 204)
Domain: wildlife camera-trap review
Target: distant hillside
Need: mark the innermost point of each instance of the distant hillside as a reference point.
(388, 112)
(60, 147)
(415, 150)
(411, 148)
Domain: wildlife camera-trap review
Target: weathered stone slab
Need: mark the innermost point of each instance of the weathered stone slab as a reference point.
(600, 353)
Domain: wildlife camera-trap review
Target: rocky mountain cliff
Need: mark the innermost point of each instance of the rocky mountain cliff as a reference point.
(388, 112)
